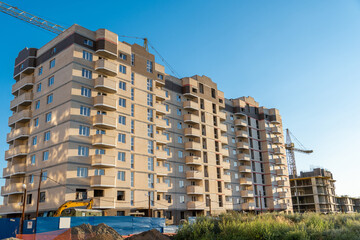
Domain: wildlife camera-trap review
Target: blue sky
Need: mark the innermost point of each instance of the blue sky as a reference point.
(301, 57)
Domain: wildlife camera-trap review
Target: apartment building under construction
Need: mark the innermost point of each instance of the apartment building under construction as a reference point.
(346, 204)
(103, 120)
(313, 191)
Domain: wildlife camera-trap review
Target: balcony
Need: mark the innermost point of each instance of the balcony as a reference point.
(227, 192)
(22, 116)
(25, 83)
(244, 169)
(103, 202)
(280, 161)
(161, 109)
(105, 84)
(162, 171)
(195, 205)
(222, 115)
(162, 155)
(190, 105)
(15, 169)
(161, 123)
(242, 145)
(162, 187)
(277, 140)
(104, 121)
(20, 133)
(24, 99)
(11, 208)
(161, 139)
(222, 127)
(192, 132)
(106, 103)
(226, 165)
(224, 140)
(103, 161)
(240, 123)
(106, 67)
(191, 118)
(224, 152)
(21, 150)
(194, 190)
(102, 181)
(243, 157)
(193, 160)
(226, 178)
(246, 181)
(281, 183)
(279, 151)
(283, 206)
(192, 146)
(103, 140)
(241, 134)
(280, 172)
(12, 188)
(160, 94)
(276, 130)
(248, 206)
(282, 194)
(194, 175)
(246, 194)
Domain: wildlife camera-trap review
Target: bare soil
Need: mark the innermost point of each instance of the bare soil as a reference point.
(149, 235)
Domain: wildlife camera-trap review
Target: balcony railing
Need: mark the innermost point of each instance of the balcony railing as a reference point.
(106, 67)
(21, 150)
(193, 160)
(247, 194)
(195, 205)
(105, 102)
(241, 134)
(25, 83)
(15, 169)
(105, 84)
(243, 157)
(191, 105)
(191, 118)
(244, 169)
(161, 123)
(12, 188)
(22, 116)
(248, 206)
(246, 181)
(103, 140)
(104, 121)
(24, 99)
(192, 132)
(192, 146)
(242, 145)
(103, 161)
(240, 123)
(19, 133)
(102, 181)
(194, 190)
(194, 175)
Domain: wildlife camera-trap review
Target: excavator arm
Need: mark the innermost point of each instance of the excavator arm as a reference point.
(71, 204)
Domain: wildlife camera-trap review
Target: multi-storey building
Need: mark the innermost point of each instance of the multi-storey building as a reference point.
(102, 120)
(346, 204)
(313, 191)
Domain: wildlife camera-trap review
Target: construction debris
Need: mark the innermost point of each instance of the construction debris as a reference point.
(88, 232)
(149, 235)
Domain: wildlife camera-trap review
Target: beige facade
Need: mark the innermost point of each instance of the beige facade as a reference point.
(104, 121)
(346, 204)
(314, 191)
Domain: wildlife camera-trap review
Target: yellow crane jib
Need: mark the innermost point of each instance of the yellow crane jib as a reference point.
(71, 204)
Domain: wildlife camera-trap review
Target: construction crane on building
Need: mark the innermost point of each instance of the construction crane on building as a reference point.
(290, 152)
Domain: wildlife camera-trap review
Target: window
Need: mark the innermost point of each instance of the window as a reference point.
(122, 69)
(166, 93)
(51, 81)
(31, 178)
(132, 179)
(86, 73)
(213, 93)
(132, 198)
(52, 63)
(53, 51)
(88, 42)
(181, 168)
(99, 172)
(231, 117)
(132, 78)
(40, 71)
(149, 66)
(180, 154)
(81, 194)
(179, 125)
(82, 172)
(122, 120)
(121, 175)
(100, 151)
(151, 180)
(47, 136)
(44, 176)
(132, 161)
(232, 129)
(150, 147)
(132, 94)
(84, 131)
(49, 99)
(150, 129)
(42, 197)
(182, 199)
(36, 122)
(122, 56)
(149, 99)
(167, 121)
(34, 141)
(83, 151)
(45, 156)
(85, 111)
(132, 110)
(150, 115)
(121, 137)
(122, 102)
(178, 98)
(87, 55)
(37, 104)
(122, 85)
(121, 156)
(33, 160)
(167, 107)
(178, 112)
(181, 184)
(201, 88)
(132, 126)
(132, 144)
(161, 77)
(132, 59)
(180, 139)
(48, 117)
(86, 92)
(120, 195)
(236, 176)
(149, 84)
(38, 88)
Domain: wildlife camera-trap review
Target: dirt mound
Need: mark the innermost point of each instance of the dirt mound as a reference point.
(88, 232)
(149, 235)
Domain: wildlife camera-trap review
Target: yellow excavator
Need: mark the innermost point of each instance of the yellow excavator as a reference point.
(72, 204)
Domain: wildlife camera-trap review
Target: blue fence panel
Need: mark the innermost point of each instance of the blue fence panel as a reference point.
(9, 227)
(29, 227)
(47, 224)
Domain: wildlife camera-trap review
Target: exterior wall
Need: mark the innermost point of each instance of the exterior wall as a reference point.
(187, 150)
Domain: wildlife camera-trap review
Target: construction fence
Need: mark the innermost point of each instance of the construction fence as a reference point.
(52, 227)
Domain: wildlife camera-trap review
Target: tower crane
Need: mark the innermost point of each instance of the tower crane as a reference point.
(290, 152)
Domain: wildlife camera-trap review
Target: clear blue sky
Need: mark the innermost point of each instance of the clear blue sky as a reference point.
(301, 57)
